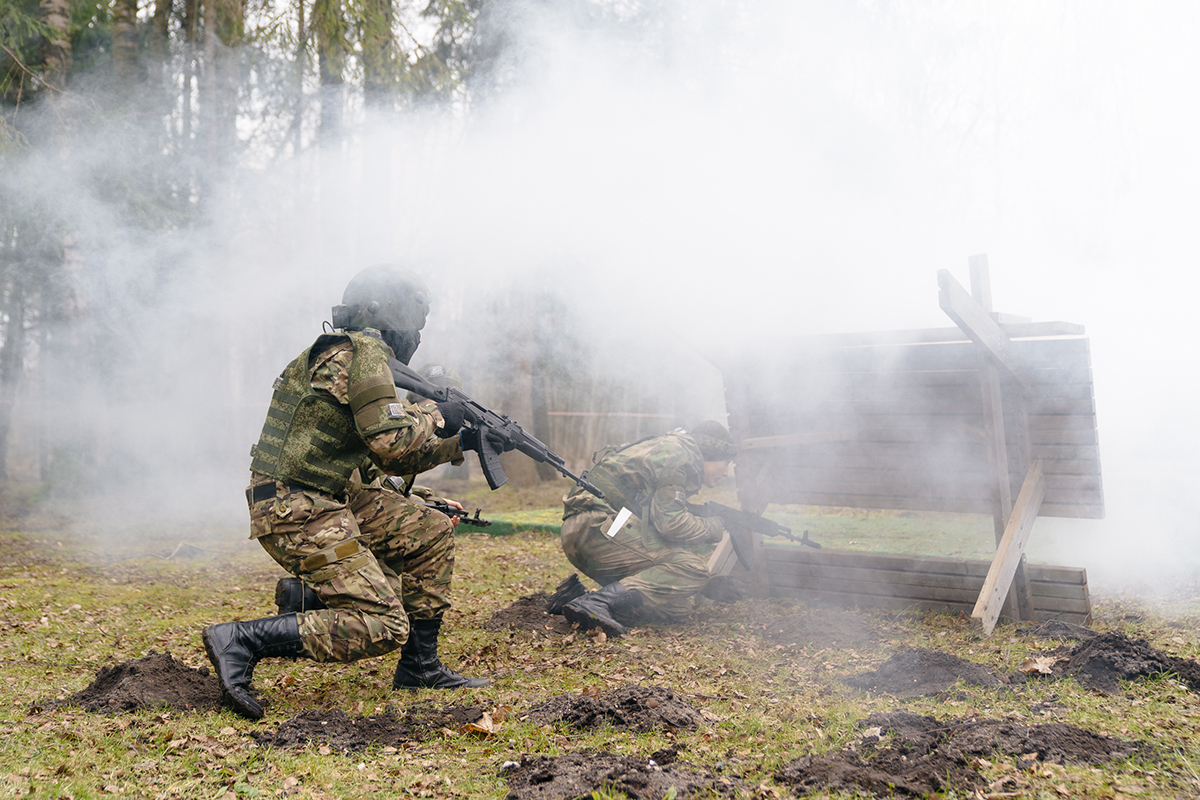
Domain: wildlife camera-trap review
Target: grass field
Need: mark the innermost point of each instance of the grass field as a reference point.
(74, 600)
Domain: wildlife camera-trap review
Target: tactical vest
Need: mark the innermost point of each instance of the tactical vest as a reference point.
(310, 438)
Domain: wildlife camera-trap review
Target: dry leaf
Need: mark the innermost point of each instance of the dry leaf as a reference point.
(1042, 664)
(484, 726)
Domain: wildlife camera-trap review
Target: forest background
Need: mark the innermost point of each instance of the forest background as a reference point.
(607, 198)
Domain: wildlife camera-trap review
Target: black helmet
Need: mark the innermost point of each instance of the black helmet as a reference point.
(386, 297)
(714, 440)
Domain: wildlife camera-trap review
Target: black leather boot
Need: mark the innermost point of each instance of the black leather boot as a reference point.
(235, 647)
(420, 667)
(292, 597)
(567, 590)
(601, 608)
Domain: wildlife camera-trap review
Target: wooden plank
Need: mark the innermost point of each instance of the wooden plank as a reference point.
(723, 558)
(915, 483)
(874, 588)
(1074, 497)
(1011, 550)
(1068, 511)
(1065, 452)
(906, 604)
(1072, 599)
(960, 506)
(975, 321)
(1027, 354)
(1013, 327)
(790, 416)
(1062, 422)
(779, 556)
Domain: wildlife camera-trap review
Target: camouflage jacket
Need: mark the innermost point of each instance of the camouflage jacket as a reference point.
(651, 478)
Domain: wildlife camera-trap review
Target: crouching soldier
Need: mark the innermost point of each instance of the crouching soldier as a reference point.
(641, 544)
(370, 555)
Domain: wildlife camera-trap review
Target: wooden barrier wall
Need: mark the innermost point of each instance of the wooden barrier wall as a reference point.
(898, 582)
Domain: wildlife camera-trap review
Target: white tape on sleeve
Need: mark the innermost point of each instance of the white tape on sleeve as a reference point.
(618, 523)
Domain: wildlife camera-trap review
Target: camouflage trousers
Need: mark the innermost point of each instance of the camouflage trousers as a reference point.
(374, 558)
(667, 577)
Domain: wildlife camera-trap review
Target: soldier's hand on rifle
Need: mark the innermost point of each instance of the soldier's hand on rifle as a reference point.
(470, 441)
(453, 413)
(716, 529)
(454, 518)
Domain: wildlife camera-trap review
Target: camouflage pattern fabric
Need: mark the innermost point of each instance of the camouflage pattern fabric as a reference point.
(666, 577)
(663, 551)
(374, 558)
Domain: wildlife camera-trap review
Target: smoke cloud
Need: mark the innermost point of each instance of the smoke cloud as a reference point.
(694, 176)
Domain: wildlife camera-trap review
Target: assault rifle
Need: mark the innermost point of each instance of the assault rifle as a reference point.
(489, 433)
(739, 523)
(462, 514)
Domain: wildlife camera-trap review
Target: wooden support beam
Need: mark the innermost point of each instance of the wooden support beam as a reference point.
(1017, 604)
(1011, 552)
(975, 320)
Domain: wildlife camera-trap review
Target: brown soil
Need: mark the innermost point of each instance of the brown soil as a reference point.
(577, 775)
(529, 614)
(924, 756)
(346, 734)
(917, 671)
(155, 681)
(638, 708)
(1106, 659)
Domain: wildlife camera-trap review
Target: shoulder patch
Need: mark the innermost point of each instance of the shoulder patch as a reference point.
(396, 411)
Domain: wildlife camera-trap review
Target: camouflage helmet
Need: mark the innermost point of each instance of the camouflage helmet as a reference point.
(386, 297)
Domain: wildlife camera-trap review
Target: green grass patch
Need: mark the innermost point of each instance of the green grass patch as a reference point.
(74, 600)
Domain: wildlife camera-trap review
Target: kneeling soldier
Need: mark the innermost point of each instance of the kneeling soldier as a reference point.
(371, 556)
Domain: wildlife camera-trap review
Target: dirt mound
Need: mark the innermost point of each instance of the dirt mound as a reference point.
(580, 774)
(1108, 658)
(917, 671)
(638, 708)
(926, 756)
(1055, 741)
(529, 614)
(346, 734)
(154, 681)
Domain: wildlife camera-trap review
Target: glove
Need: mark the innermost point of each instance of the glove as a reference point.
(716, 529)
(453, 413)
(470, 440)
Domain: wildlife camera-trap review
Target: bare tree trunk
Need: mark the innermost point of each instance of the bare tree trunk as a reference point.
(12, 362)
(56, 49)
(125, 46)
(379, 74)
(330, 26)
(231, 23)
(191, 15)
